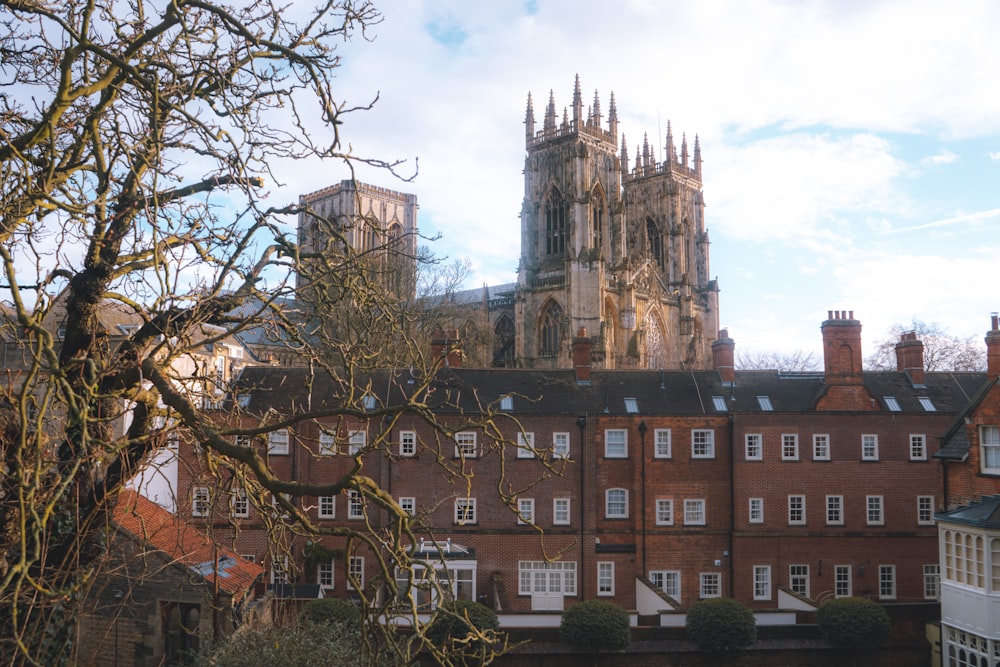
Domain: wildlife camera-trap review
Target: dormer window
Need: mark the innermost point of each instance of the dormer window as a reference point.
(891, 403)
(765, 403)
(507, 403)
(926, 403)
(631, 405)
(719, 402)
(368, 402)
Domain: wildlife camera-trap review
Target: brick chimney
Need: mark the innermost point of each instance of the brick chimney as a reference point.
(993, 349)
(582, 347)
(723, 356)
(842, 347)
(910, 356)
(445, 344)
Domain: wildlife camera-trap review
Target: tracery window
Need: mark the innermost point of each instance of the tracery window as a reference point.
(550, 333)
(503, 342)
(597, 220)
(555, 224)
(655, 240)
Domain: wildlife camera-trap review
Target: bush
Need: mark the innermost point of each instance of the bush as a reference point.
(853, 623)
(596, 625)
(329, 611)
(453, 623)
(301, 646)
(721, 624)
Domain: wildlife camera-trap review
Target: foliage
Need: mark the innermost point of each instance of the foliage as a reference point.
(943, 351)
(332, 611)
(853, 623)
(777, 361)
(465, 628)
(302, 646)
(596, 625)
(721, 624)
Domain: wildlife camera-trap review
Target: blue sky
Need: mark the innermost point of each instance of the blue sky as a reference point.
(850, 148)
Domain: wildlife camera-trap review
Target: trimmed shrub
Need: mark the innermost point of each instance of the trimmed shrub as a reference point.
(331, 611)
(300, 646)
(853, 623)
(721, 624)
(453, 623)
(595, 626)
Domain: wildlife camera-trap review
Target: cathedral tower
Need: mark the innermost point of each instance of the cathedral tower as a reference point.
(619, 252)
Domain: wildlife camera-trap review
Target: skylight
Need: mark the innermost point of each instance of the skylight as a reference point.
(507, 403)
(765, 403)
(720, 403)
(631, 405)
(927, 404)
(891, 403)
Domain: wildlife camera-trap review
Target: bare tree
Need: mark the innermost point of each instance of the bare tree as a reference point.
(136, 139)
(798, 360)
(943, 351)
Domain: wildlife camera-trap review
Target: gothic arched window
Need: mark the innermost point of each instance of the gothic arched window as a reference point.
(549, 330)
(655, 240)
(597, 221)
(503, 342)
(555, 224)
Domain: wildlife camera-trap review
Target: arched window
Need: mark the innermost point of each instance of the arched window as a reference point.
(655, 344)
(655, 240)
(597, 219)
(616, 504)
(549, 332)
(503, 342)
(555, 224)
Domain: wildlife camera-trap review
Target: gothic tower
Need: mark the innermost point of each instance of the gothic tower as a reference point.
(619, 252)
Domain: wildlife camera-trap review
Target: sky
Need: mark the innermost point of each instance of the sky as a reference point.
(851, 147)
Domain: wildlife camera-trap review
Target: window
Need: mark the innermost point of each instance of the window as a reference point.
(796, 510)
(719, 403)
(465, 444)
(616, 504)
(631, 405)
(242, 440)
(327, 444)
(887, 582)
(525, 445)
(507, 403)
(874, 516)
(465, 511)
(668, 581)
(355, 508)
(761, 582)
(932, 581)
(765, 403)
(965, 559)
(925, 510)
(789, 447)
(798, 579)
(546, 577)
(989, 440)
(842, 587)
(756, 510)
(664, 511)
(918, 447)
(821, 447)
(368, 402)
(661, 443)
(525, 511)
(711, 585)
(926, 403)
(560, 445)
(241, 504)
(279, 571)
(555, 224)
(869, 447)
(835, 510)
(277, 441)
(407, 443)
(754, 448)
(199, 501)
(694, 512)
(615, 443)
(550, 333)
(356, 572)
(324, 574)
(560, 511)
(605, 578)
(356, 441)
(891, 404)
(327, 507)
(408, 504)
(703, 444)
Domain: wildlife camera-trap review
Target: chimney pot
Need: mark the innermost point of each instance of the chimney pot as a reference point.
(723, 356)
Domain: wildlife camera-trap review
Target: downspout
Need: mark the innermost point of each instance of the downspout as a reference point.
(581, 423)
(732, 502)
(642, 483)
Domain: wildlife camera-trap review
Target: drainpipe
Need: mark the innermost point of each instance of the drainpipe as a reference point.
(581, 423)
(642, 454)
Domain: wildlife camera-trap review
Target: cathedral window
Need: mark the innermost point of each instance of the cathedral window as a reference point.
(597, 221)
(503, 342)
(549, 331)
(655, 240)
(555, 224)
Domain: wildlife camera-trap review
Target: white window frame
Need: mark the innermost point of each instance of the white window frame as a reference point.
(918, 447)
(611, 505)
(694, 512)
(355, 569)
(798, 578)
(326, 507)
(925, 510)
(886, 582)
(465, 445)
(525, 445)
(668, 581)
(541, 577)
(932, 581)
(843, 581)
(703, 443)
(240, 504)
(279, 571)
(874, 510)
(465, 511)
(710, 585)
(664, 511)
(796, 509)
(615, 443)
(356, 441)
(506, 403)
(753, 447)
(632, 405)
(242, 440)
(326, 574)
(761, 582)
(927, 403)
(327, 444)
(755, 510)
(355, 505)
(869, 447)
(891, 404)
(789, 446)
(201, 501)
(661, 443)
(561, 511)
(560, 445)
(835, 510)
(719, 403)
(989, 445)
(765, 404)
(605, 578)
(407, 443)
(821, 447)
(278, 442)
(525, 511)
(408, 504)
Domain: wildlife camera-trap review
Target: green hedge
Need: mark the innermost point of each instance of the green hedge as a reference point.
(329, 611)
(721, 624)
(596, 625)
(853, 623)
(453, 623)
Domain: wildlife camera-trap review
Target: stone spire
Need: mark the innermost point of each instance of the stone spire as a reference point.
(684, 150)
(671, 152)
(697, 156)
(550, 114)
(624, 156)
(529, 120)
(577, 101)
(613, 119)
(597, 111)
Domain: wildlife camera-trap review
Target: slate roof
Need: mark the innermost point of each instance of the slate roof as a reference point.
(982, 514)
(955, 441)
(183, 544)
